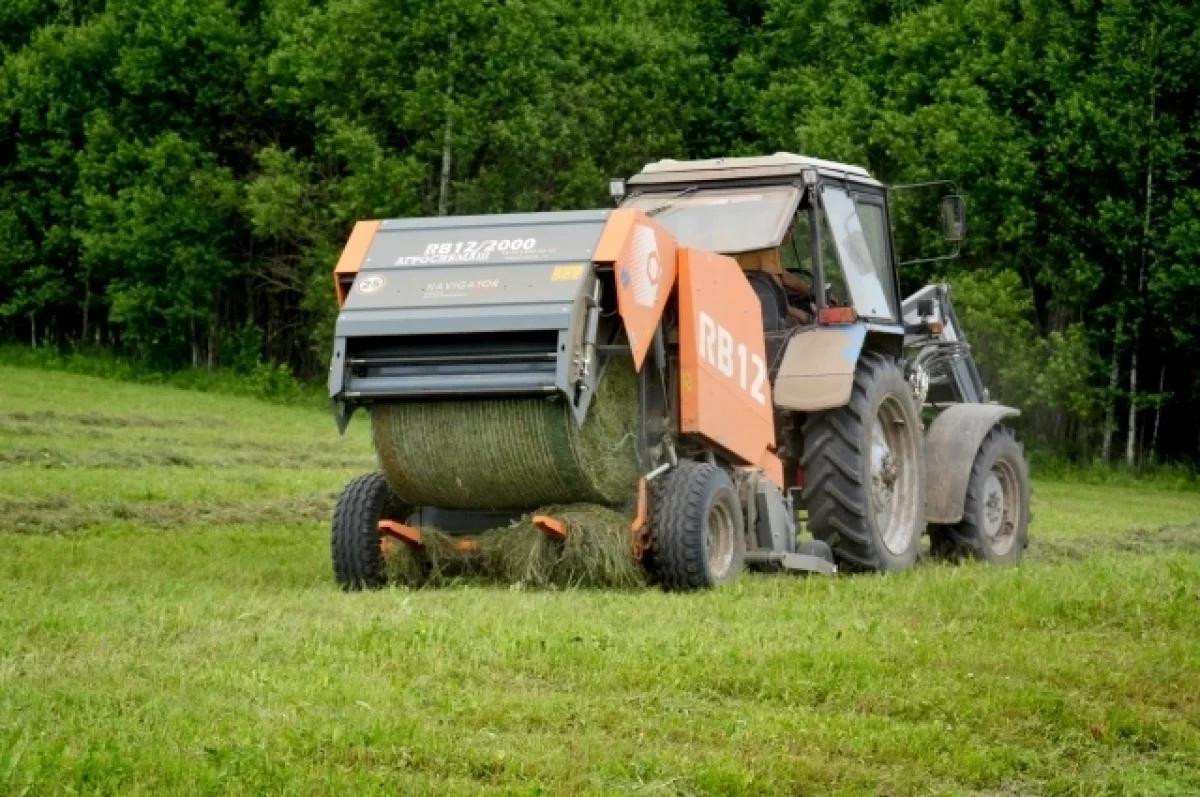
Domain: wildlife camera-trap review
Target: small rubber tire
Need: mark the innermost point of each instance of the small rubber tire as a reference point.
(837, 462)
(696, 507)
(1001, 455)
(358, 561)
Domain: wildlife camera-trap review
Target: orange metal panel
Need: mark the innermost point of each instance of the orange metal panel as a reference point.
(639, 536)
(353, 255)
(643, 255)
(725, 392)
(550, 526)
(390, 528)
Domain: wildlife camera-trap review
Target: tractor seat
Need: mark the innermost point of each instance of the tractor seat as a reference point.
(772, 297)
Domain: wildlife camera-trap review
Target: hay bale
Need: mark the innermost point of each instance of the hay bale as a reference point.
(512, 453)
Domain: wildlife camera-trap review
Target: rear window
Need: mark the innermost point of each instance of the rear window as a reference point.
(724, 220)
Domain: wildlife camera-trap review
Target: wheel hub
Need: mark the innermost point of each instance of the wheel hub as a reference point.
(890, 479)
(719, 542)
(1000, 508)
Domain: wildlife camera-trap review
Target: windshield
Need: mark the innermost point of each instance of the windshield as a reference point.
(725, 220)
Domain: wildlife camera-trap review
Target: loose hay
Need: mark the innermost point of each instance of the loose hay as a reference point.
(595, 553)
(512, 453)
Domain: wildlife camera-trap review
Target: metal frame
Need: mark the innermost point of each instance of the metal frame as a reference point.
(946, 347)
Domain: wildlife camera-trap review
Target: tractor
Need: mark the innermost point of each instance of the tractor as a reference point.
(792, 412)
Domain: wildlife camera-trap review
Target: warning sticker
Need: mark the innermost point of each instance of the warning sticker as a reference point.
(566, 273)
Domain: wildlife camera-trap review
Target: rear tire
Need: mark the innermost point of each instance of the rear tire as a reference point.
(697, 536)
(865, 471)
(995, 523)
(358, 561)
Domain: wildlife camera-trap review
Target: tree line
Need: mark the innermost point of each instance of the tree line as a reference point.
(177, 176)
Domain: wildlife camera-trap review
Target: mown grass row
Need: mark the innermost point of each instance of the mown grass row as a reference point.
(180, 633)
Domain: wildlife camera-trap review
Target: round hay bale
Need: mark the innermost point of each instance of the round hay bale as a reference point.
(512, 453)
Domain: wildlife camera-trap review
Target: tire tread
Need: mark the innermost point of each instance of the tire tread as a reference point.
(357, 558)
(677, 560)
(965, 539)
(833, 453)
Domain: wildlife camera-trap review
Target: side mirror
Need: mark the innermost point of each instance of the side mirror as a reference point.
(954, 218)
(616, 189)
(924, 308)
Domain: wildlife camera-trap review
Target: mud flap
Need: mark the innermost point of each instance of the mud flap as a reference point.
(950, 447)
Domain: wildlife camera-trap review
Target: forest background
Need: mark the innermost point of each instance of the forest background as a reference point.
(177, 176)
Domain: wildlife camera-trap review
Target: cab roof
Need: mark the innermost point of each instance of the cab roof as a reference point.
(781, 164)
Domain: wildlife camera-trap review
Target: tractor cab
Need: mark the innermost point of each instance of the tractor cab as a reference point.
(813, 236)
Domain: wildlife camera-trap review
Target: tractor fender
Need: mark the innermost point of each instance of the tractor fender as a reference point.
(817, 368)
(950, 447)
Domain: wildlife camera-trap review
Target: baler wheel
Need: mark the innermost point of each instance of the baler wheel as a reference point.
(358, 561)
(697, 539)
(995, 523)
(865, 469)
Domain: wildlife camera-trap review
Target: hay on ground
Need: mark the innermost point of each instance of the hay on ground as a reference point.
(595, 553)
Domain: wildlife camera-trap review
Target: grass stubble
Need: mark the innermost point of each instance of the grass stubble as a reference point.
(157, 646)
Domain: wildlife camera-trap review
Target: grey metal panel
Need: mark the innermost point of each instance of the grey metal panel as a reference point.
(439, 320)
(450, 385)
(817, 368)
(950, 447)
(778, 160)
(451, 287)
(791, 562)
(725, 219)
(774, 518)
(337, 366)
(486, 240)
(562, 375)
(460, 521)
(780, 165)
(499, 219)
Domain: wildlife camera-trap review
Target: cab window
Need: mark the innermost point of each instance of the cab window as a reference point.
(869, 281)
(874, 225)
(796, 256)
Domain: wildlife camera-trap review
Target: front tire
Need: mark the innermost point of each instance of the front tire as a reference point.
(865, 471)
(995, 523)
(358, 561)
(697, 536)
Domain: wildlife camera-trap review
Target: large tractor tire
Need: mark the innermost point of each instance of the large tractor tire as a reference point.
(697, 537)
(864, 467)
(995, 523)
(358, 561)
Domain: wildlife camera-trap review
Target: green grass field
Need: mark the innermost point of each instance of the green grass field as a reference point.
(168, 624)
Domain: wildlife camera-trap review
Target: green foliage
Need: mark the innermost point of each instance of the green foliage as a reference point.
(1049, 377)
(165, 253)
(172, 170)
(1176, 477)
